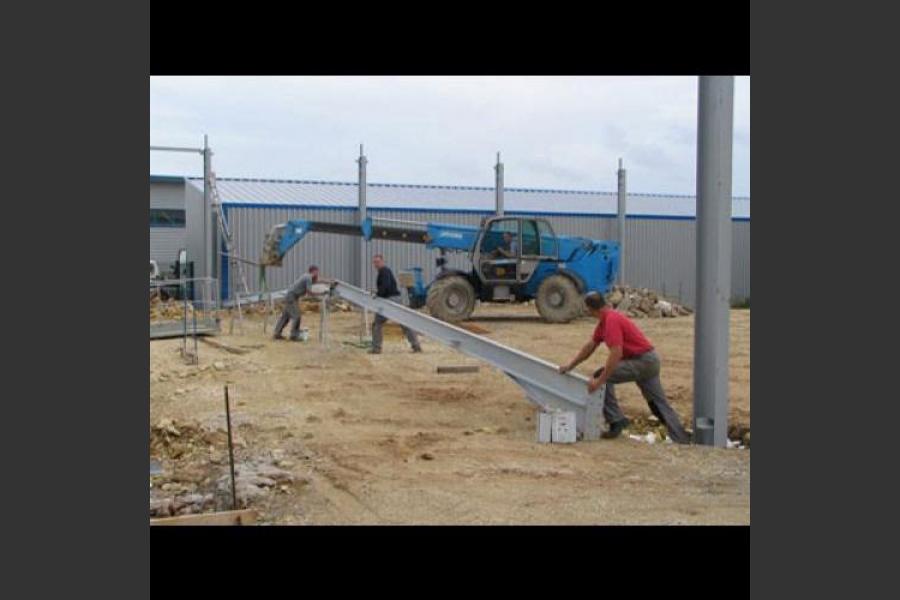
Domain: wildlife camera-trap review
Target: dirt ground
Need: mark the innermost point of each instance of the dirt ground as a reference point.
(385, 440)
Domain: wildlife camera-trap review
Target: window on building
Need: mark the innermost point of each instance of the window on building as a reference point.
(166, 217)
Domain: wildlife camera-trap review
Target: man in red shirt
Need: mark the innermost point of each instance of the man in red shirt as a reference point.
(631, 358)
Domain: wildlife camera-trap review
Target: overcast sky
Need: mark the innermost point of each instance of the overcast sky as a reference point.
(553, 132)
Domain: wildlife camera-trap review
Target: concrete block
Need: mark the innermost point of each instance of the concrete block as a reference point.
(563, 428)
(544, 427)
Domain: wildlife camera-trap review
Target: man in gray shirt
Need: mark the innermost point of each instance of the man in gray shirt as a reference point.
(291, 309)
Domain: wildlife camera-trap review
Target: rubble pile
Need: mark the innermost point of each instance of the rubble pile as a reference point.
(255, 479)
(307, 305)
(651, 430)
(193, 474)
(640, 303)
(168, 310)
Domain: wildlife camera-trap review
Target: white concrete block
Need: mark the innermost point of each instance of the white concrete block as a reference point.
(563, 428)
(544, 427)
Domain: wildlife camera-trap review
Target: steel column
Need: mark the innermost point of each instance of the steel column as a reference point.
(714, 145)
(498, 187)
(623, 195)
(363, 161)
(209, 252)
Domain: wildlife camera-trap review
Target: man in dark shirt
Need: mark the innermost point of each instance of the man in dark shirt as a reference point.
(387, 288)
(631, 358)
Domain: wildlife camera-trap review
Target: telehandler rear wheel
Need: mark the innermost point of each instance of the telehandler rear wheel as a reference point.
(451, 299)
(558, 300)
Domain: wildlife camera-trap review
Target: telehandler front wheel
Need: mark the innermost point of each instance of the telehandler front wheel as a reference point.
(558, 300)
(451, 299)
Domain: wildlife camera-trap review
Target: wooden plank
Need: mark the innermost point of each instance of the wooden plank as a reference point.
(230, 517)
(473, 327)
(221, 346)
(457, 369)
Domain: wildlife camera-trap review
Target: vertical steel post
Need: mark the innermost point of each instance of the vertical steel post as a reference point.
(498, 187)
(362, 214)
(234, 503)
(714, 145)
(207, 212)
(362, 252)
(623, 196)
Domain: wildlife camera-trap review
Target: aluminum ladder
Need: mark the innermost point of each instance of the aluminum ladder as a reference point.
(541, 380)
(235, 264)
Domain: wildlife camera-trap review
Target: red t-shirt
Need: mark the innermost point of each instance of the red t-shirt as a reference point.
(617, 330)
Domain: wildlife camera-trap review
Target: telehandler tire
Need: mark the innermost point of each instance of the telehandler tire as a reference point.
(451, 299)
(558, 300)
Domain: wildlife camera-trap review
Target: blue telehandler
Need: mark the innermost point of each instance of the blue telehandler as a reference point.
(513, 258)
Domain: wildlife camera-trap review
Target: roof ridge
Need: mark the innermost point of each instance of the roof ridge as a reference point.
(451, 187)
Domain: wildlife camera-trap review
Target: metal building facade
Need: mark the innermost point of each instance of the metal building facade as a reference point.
(166, 241)
(660, 249)
(660, 253)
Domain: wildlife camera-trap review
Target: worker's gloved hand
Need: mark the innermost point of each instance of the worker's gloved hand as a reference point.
(564, 369)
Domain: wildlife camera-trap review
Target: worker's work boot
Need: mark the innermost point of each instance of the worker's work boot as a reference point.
(375, 351)
(615, 429)
(278, 337)
(417, 349)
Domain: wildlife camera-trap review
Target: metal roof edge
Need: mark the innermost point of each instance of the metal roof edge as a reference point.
(452, 187)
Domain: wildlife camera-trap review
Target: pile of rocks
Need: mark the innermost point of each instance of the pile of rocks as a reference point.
(184, 504)
(639, 303)
(255, 479)
(173, 440)
(190, 473)
(308, 304)
(160, 310)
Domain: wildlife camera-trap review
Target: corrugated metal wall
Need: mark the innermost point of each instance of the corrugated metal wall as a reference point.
(165, 242)
(332, 253)
(740, 259)
(660, 253)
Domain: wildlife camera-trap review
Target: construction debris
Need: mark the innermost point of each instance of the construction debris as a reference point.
(457, 369)
(172, 309)
(191, 474)
(308, 304)
(639, 303)
(253, 480)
